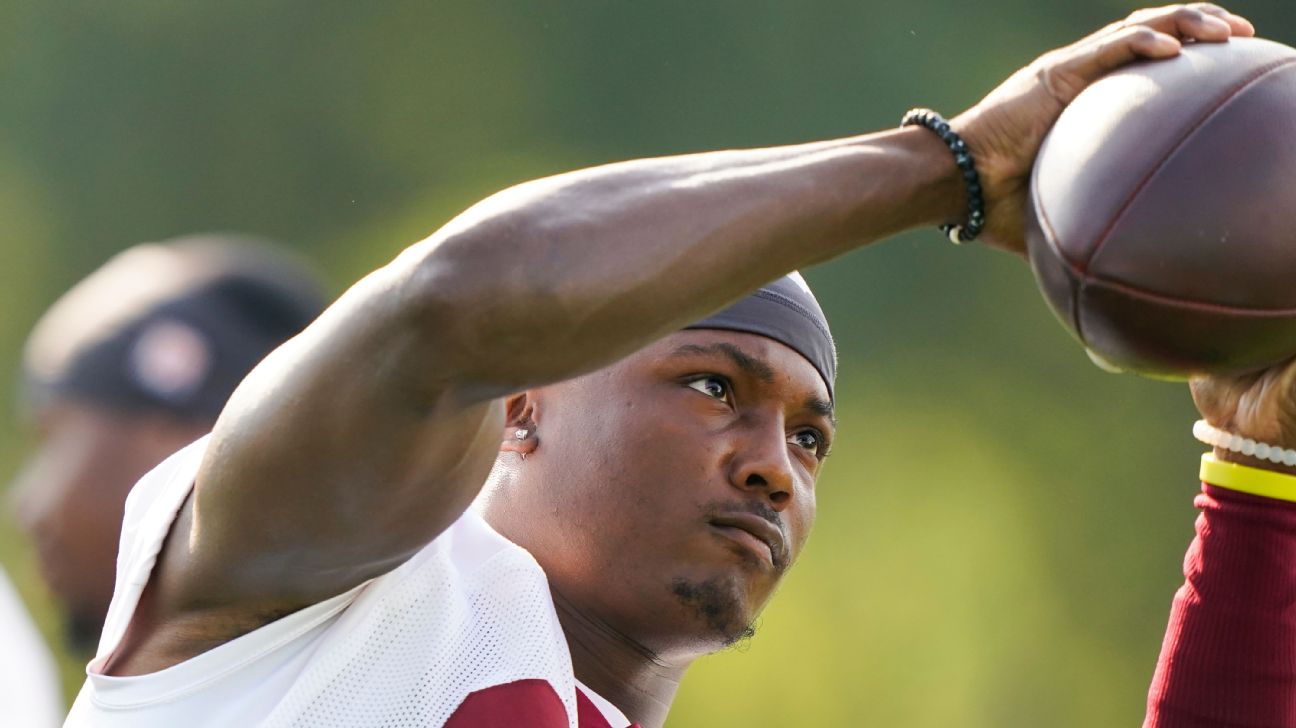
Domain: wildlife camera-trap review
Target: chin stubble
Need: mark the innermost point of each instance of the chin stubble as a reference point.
(715, 602)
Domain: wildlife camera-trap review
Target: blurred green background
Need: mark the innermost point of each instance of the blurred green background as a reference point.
(1002, 525)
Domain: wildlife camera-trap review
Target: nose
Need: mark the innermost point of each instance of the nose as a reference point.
(761, 463)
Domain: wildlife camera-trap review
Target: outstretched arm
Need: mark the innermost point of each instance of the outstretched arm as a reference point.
(359, 441)
(1229, 656)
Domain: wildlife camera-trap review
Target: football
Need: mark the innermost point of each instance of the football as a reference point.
(1161, 222)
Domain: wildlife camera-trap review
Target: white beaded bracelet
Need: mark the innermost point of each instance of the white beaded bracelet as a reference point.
(1215, 437)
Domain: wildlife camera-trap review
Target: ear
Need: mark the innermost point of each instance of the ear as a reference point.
(520, 434)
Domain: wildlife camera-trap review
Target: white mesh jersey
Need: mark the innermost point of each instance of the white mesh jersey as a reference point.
(469, 613)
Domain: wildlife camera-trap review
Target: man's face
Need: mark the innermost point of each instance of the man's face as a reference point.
(69, 498)
(667, 494)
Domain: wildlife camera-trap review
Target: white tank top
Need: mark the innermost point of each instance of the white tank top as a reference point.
(470, 611)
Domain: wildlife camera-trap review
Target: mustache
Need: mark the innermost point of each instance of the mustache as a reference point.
(759, 508)
(742, 505)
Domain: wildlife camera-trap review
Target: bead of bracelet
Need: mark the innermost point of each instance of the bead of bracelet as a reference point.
(976, 218)
(1215, 437)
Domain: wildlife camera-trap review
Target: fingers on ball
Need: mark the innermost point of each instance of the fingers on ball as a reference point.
(1123, 46)
(1239, 24)
(1199, 21)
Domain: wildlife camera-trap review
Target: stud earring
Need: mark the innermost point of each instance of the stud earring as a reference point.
(520, 434)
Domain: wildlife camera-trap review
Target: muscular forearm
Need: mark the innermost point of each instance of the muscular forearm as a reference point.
(564, 274)
(1229, 656)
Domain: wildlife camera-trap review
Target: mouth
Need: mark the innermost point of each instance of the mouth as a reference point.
(756, 536)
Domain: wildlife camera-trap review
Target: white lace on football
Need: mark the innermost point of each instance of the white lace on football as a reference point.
(1205, 432)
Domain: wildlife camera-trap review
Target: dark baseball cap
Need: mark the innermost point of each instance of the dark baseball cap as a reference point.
(172, 326)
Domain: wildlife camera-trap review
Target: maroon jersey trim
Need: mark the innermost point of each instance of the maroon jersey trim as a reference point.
(531, 703)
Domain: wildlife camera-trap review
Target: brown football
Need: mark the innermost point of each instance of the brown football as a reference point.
(1162, 217)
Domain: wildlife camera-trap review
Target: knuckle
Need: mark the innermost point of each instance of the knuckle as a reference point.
(1044, 64)
(1138, 34)
(1058, 85)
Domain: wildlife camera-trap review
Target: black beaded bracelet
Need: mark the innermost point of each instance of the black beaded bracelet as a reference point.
(958, 234)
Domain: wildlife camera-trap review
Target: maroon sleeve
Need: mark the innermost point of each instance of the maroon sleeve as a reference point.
(1229, 656)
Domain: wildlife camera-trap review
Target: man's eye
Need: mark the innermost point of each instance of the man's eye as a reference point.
(714, 387)
(809, 440)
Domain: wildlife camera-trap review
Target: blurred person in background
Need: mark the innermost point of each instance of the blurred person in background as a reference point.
(130, 364)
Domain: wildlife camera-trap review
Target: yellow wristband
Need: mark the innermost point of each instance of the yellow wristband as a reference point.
(1243, 479)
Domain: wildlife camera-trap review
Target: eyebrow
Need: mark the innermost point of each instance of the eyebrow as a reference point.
(740, 358)
(822, 407)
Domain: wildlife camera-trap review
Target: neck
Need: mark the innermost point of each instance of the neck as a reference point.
(615, 666)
